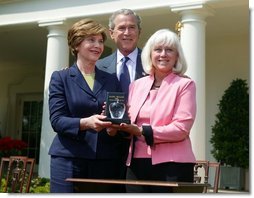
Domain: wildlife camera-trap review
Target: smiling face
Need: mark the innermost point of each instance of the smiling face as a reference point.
(163, 58)
(91, 48)
(126, 33)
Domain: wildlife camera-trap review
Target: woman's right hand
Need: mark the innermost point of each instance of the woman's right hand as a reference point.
(94, 122)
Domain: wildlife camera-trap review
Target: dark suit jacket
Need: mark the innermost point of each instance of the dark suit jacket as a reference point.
(108, 64)
(71, 99)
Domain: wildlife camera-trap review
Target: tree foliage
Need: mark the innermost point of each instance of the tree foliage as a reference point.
(230, 133)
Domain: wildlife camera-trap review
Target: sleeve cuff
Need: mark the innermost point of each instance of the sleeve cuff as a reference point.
(147, 132)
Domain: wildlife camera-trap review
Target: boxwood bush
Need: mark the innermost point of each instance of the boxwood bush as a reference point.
(230, 133)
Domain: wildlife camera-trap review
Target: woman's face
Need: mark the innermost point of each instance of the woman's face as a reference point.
(91, 48)
(164, 58)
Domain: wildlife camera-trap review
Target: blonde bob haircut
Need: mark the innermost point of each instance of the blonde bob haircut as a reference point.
(168, 38)
(83, 29)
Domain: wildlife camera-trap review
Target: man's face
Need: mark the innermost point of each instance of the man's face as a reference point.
(125, 34)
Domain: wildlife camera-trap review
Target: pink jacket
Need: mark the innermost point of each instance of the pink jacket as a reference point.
(172, 116)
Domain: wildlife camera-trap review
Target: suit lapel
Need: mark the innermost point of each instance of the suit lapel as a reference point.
(78, 78)
(144, 88)
(162, 98)
(113, 63)
(99, 81)
(109, 63)
(139, 68)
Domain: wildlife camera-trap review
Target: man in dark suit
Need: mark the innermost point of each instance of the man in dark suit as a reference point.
(124, 29)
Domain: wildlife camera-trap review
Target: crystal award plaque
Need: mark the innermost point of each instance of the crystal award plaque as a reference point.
(116, 108)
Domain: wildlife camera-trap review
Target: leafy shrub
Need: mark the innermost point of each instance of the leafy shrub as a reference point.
(40, 185)
(230, 133)
(3, 184)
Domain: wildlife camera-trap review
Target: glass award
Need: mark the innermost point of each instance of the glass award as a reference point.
(116, 110)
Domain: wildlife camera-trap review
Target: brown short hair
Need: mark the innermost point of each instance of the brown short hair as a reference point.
(81, 30)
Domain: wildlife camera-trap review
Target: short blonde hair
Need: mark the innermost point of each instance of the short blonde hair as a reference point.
(165, 37)
(81, 30)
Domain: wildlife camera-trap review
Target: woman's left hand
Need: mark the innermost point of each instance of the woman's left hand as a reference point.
(132, 129)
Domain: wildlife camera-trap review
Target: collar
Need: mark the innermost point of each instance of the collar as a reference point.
(132, 55)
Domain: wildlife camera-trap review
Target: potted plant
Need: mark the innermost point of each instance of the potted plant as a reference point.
(230, 133)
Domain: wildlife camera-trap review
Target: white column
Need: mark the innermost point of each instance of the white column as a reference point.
(193, 42)
(57, 58)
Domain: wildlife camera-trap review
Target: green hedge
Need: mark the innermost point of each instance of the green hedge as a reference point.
(38, 185)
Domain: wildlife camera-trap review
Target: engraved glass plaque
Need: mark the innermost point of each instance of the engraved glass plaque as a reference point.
(116, 108)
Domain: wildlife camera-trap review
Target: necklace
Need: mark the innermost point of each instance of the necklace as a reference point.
(156, 86)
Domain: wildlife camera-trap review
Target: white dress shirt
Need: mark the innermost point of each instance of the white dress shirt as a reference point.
(131, 64)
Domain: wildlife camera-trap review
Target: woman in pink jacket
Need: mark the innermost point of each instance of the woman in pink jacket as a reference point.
(162, 108)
